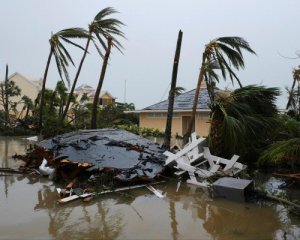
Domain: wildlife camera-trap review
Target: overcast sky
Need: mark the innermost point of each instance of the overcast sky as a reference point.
(271, 27)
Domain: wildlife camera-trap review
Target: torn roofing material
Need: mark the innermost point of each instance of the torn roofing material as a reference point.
(133, 155)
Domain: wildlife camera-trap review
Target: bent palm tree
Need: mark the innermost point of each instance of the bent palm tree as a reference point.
(111, 41)
(62, 58)
(223, 53)
(242, 121)
(101, 27)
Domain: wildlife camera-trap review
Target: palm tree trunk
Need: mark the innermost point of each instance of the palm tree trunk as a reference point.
(75, 80)
(168, 131)
(298, 95)
(291, 96)
(101, 80)
(26, 114)
(61, 106)
(192, 121)
(43, 90)
(52, 101)
(6, 110)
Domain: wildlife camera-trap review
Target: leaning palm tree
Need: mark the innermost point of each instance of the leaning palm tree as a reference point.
(226, 54)
(111, 42)
(101, 27)
(62, 58)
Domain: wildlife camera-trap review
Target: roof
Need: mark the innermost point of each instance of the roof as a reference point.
(35, 83)
(92, 94)
(184, 101)
(84, 87)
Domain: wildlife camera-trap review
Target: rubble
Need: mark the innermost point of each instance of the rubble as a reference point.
(128, 157)
(196, 160)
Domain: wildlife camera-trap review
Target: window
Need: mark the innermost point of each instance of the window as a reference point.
(203, 115)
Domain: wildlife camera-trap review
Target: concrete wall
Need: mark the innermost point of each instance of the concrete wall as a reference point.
(158, 121)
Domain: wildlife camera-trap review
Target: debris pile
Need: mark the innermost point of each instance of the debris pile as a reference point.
(126, 156)
(196, 160)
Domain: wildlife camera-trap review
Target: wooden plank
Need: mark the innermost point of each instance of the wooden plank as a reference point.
(185, 150)
(156, 192)
(74, 197)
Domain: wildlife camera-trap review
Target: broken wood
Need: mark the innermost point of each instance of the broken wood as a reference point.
(88, 199)
(10, 170)
(156, 192)
(85, 195)
(278, 199)
(71, 184)
(290, 175)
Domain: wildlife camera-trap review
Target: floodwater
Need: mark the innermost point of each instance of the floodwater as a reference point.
(28, 210)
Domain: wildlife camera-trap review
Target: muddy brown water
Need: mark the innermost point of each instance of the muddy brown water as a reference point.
(28, 210)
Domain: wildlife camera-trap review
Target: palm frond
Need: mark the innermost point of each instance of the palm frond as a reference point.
(65, 54)
(105, 12)
(237, 43)
(232, 75)
(98, 49)
(72, 43)
(242, 120)
(282, 152)
(73, 33)
(107, 28)
(58, 63)
(234, 56)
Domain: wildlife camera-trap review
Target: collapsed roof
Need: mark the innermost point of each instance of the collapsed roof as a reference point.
(132, 155)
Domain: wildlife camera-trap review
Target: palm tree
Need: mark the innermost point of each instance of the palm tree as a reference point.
(61, 89)
(179, 90)
(101, 27)
(100, 83)
(62, 58)
(223, 53)
(242, 121)
(285, 150)
(28, 105)
(111, 41)
(294, 102)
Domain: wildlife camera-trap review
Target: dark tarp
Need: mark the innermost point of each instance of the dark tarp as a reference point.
(133, 155)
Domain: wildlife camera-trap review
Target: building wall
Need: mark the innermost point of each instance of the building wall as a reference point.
(106, 99)
(158, 121)
(27, 88)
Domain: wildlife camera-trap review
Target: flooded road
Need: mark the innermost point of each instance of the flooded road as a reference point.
(29, 210)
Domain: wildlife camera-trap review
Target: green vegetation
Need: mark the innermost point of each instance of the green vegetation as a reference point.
(101, 28)
(285, 149)
(242, 121)
(222, 54)
(62, 58)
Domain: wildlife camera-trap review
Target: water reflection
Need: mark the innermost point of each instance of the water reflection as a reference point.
(187, 212)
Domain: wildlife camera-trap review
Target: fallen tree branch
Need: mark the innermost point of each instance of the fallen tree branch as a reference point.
(10, 170)
(278, 199)
(290, 175)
